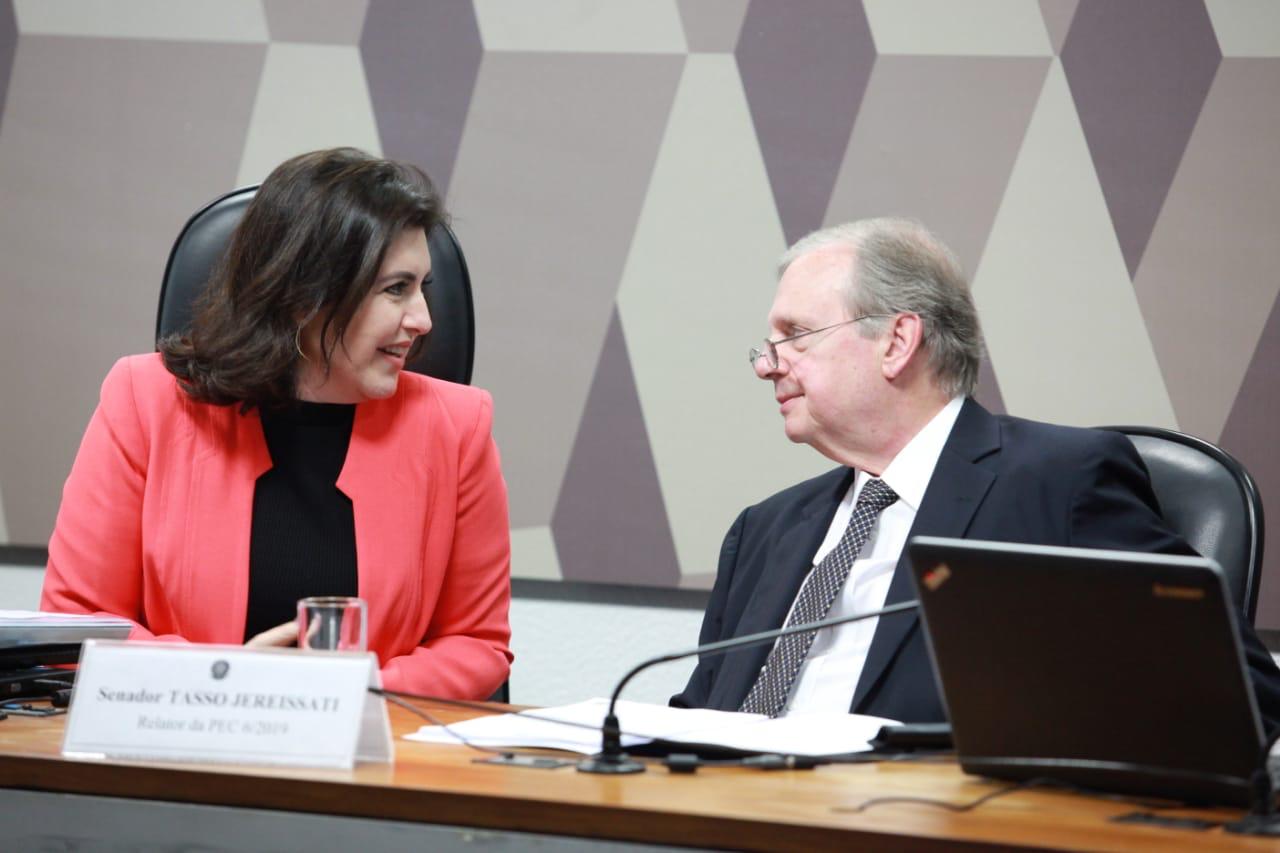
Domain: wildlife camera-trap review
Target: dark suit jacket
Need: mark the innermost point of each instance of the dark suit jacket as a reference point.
(999, 478)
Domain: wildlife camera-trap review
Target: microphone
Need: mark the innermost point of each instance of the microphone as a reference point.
(612, 758)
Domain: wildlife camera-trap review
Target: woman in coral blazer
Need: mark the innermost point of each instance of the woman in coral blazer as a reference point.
(279, 450)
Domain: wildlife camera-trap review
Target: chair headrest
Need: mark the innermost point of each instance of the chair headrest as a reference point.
(1209, 499)
(449, 352)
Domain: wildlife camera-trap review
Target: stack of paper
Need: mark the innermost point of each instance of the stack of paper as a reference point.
(32, 627)
(576, 728)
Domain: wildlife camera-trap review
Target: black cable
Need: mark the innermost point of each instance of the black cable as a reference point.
(679, 762)
(927, 756)
(398, 697)
(436, 721)
(942, 804)
(486, 706)
(1037, 782)
(469, 704)
(682, 762)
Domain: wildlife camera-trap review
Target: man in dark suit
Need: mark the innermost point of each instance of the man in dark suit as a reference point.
(873, 356)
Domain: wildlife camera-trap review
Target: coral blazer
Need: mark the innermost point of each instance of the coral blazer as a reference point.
(155, 520)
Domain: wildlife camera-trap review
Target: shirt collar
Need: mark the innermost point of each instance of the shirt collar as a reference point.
(910, 471)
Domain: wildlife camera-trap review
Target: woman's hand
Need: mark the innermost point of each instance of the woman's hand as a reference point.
(280, 635)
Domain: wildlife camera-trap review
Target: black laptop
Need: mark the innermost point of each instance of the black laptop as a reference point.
(1106, 669)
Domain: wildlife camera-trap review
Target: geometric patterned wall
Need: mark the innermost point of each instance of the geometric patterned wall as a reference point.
(623, 175)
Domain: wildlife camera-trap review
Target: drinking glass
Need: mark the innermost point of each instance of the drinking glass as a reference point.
(332, 623)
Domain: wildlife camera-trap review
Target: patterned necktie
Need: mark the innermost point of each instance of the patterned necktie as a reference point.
(769, 694)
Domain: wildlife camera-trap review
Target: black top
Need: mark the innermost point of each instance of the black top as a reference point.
(303, 537)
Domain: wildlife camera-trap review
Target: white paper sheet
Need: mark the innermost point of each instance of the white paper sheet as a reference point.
(28, 617)
(33, 627)
(796, 734)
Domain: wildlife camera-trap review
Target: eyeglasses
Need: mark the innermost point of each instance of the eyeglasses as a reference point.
(770, 348)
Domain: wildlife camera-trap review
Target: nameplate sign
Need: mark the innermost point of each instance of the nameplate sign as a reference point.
(227, 704)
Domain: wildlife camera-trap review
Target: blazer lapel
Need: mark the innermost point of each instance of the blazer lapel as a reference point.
(230, 457)
(955, 491)
(373, 478)
(390, 499)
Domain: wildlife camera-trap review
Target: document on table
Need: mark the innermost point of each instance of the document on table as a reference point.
(576, 728)
(34, 627)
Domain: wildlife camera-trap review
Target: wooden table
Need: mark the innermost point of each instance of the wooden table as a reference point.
(724, 807)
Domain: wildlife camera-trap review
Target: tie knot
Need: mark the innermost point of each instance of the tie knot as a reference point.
(876, 495)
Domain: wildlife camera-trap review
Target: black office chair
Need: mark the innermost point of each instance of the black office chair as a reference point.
(450, 349)
(1209, 499)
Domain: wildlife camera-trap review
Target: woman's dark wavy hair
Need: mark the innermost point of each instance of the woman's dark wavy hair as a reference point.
(310, 245)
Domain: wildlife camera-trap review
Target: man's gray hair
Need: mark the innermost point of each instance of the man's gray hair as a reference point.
(898, 267)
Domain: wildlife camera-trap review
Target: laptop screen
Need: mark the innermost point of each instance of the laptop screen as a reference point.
(1113, 670)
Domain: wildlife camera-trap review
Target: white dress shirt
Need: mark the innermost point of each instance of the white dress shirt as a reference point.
(831, 670)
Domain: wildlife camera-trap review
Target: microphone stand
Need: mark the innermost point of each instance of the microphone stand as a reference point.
(613, 759)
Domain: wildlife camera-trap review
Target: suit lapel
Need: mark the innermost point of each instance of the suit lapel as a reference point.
(790, 562)
(783, 572)
(956, 489)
